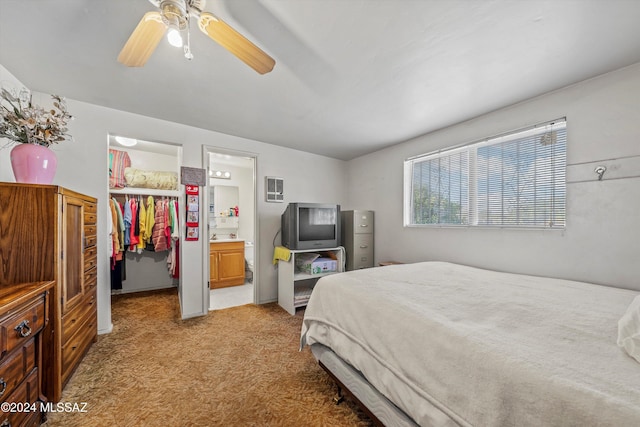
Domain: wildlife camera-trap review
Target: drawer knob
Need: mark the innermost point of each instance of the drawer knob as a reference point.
(364, 246)
(3, 386)
(23, 329)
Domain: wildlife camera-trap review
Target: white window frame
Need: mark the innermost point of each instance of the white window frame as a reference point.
(473, 192)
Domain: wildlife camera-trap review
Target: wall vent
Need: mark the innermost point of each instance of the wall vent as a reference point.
(274, 189)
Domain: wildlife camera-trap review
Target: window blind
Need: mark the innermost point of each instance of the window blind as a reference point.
(440, 190)
(513, 180)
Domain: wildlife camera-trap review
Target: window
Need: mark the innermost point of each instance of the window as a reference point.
(512, 180)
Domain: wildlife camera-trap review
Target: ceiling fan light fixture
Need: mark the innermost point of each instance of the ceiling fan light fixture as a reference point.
(172, 18)
(174, 15)
(174, 37)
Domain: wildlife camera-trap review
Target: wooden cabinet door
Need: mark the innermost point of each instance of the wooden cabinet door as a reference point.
(213, 269)
(72, 244)
(226, 264)
(231, 266)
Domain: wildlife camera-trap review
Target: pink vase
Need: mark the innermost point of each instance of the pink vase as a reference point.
(33, 164)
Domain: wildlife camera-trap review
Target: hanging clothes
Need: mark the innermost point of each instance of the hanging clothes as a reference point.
(116, 275)
(134, 231)
(175, 224)
(175, 265)
(116, 229)
(120, 224)
(172, 258)
(159, 238)
(142, 226)
(175, 234)
(149, 221)
(115, 233)
(127, 222)
(110, 232)
(167, 222)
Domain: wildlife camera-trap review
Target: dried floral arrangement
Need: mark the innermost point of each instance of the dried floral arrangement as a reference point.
(25, 123)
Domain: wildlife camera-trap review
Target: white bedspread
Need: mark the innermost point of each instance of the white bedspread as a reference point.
(485, 348)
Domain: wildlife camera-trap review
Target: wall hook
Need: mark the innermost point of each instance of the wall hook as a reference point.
(600, 170)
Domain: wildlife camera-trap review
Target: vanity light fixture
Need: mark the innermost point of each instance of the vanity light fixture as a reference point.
(126, 142)
(219, 174)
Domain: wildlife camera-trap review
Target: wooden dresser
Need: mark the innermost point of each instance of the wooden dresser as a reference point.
(48, 232)
(23, 315)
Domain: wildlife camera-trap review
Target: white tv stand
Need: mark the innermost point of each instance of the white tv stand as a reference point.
(294, 287)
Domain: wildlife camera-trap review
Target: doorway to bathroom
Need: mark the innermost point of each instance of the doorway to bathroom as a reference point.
(230, 208)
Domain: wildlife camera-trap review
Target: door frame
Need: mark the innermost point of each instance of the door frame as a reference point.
(206, 150)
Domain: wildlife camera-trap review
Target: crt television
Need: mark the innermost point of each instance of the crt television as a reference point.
(311, 226)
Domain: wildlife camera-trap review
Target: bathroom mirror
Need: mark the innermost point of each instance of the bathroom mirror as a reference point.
(223, 198)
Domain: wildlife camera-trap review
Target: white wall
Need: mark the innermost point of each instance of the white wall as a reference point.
(601, 242)
(8, 81)
(307, 178)
(80, 162)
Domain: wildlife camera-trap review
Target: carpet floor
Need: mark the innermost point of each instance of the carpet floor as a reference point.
(235, 367)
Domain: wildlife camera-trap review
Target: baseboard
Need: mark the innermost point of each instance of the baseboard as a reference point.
(107, 330)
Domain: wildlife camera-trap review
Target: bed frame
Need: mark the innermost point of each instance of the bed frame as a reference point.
(351, 382)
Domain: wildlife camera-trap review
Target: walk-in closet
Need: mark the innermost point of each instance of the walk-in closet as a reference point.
(146, 207)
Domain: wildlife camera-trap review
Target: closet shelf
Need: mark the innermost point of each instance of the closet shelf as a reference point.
(145, 192)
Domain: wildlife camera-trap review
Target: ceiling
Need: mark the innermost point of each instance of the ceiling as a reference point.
(351, 76)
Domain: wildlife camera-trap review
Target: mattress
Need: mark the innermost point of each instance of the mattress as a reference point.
(482, 347)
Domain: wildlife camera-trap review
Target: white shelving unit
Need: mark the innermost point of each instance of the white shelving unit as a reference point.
(294, 286)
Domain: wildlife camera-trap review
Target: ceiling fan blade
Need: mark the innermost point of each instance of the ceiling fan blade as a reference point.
(235, 43)
(143, 40)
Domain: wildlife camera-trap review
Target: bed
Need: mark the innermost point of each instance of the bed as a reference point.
(436, 344)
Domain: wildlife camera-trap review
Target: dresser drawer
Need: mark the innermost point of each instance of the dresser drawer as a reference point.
(90, 278)
(18, 328)
(90, 207)
(26, 392)
(90, 257)
(90, 218)
(90, 241)
(90, 213)
(15, 368)
(76, 347)
(90, 230)
(80, 315)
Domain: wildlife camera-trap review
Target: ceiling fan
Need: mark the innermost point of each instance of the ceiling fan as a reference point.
(176, 17)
